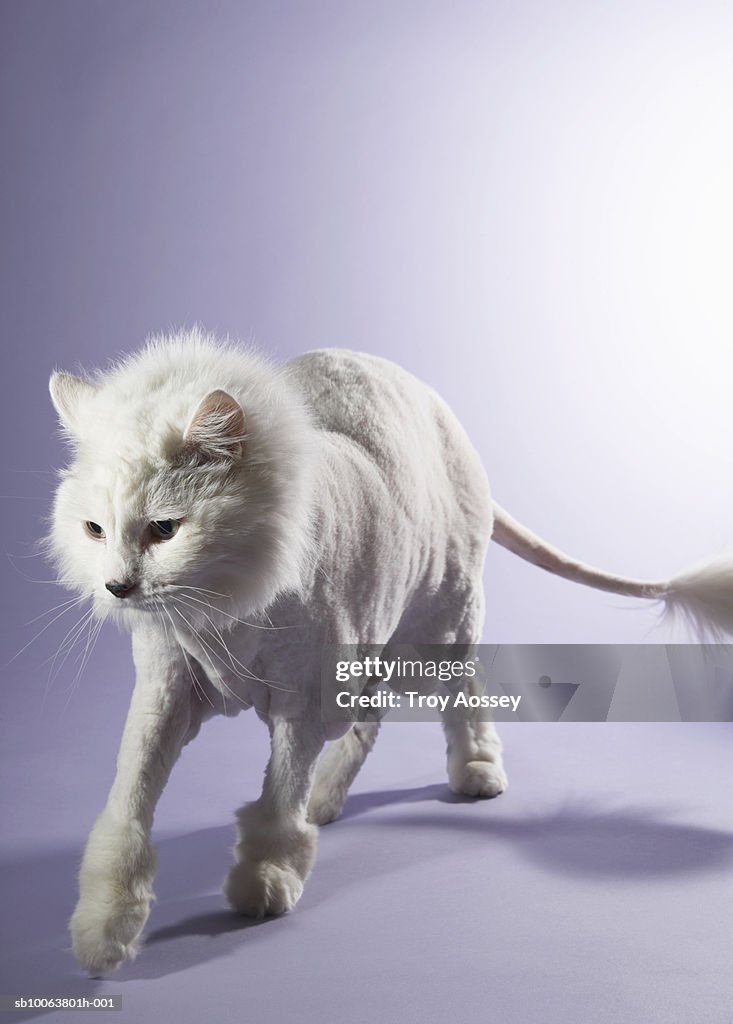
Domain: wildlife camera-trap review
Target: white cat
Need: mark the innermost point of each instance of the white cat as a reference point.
(237, 516)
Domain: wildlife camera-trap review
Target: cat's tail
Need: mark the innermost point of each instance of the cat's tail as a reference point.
(702, 596)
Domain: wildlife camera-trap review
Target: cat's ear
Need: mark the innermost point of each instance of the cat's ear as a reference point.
(68, 394)
(216, 429)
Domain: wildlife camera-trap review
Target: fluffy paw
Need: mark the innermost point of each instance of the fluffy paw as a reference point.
(482, 779)
(116, 888)
(259, 888)
(104, 935)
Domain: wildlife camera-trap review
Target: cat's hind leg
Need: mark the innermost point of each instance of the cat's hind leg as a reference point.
(475, 766)
(337, 768)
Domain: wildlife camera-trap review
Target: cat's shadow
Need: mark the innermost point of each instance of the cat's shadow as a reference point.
(360, 803)
(578, 840)
(584, 841)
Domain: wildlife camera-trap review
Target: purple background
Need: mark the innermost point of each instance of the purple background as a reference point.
(529, 206)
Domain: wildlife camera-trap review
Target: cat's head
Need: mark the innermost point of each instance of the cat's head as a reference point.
(179, 495)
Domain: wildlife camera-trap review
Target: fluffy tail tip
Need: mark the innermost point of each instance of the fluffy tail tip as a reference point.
(702, 598)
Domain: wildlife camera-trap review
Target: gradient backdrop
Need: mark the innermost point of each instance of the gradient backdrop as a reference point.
(529, 206)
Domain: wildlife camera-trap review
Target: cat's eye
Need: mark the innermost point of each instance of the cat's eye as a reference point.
(164, 529)
(94, 530)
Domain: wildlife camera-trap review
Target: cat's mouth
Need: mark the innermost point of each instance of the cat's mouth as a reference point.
(156, 601)
(134, 600)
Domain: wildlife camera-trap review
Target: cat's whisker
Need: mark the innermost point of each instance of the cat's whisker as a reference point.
(66, 646)
(94, 627)
(197, 684)
(245, 668)
(223, 697)
(201, 590)
(68, 641)
(212, 654)
(52, 583)
(91, 626)
(36, 637)
(249, 675)
(198, 688)
(94, 630)
(32, 554)
(58, 581)
(215, 634)
(209, 652)
(70, 638)
(64, 604)
(222, 681)
(325, 575)
(243, 622)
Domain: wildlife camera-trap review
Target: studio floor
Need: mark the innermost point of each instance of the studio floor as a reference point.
(599, 887)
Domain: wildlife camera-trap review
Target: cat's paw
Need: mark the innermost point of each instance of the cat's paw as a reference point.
(482, 779)
(325, 804)
(116, 889)
(261, 888)
(104, 935)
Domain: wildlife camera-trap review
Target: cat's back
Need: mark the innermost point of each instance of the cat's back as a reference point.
(398, 421)
(346, 390)
(361, 395)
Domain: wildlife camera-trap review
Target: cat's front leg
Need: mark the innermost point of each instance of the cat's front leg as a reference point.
(116, 875)
(277, 844)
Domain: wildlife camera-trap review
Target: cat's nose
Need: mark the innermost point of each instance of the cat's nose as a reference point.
(119, 588)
